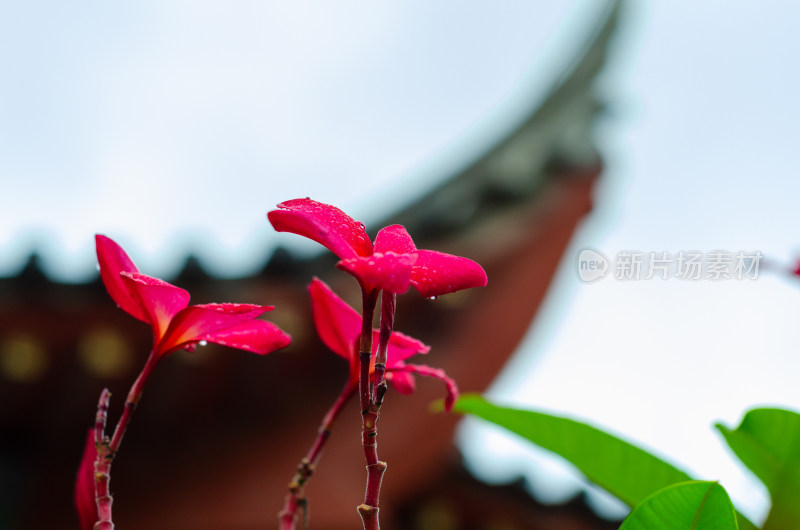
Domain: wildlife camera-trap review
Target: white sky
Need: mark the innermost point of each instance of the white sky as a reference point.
(177, 125)
(170, 125)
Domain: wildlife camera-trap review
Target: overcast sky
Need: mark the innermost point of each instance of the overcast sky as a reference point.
(170, 125)
(176, 125)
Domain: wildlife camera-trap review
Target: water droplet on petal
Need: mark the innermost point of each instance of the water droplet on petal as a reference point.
(433, 298)
(203, 343)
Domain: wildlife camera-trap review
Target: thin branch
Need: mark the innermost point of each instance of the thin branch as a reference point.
(295, 499)
(102, 465)
(107, 449)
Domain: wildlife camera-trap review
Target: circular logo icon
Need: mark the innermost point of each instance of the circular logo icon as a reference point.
(592, 265)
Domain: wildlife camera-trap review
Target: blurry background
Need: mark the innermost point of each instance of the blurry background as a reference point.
(176, 125)
(173, 126)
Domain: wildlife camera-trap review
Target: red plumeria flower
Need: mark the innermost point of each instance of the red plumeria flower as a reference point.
(393, 264)
(339, 327)
(176, 325)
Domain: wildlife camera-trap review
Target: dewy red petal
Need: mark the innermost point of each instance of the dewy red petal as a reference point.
(112, 260)
(227, 324)
(85, 502)
(390, 271)
(386, 265)
(176, 326)
(394, 238)
(256, 336)
(437, 273)
(323, 223)
(161, 300)
(242, 310)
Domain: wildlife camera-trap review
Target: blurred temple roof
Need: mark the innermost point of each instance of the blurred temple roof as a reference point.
(236, 419)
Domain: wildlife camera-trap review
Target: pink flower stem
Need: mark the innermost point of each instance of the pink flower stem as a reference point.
(368, 510)
(388, 302)
(295, 499)
(107, 449)
(134, 394)
(369, 299)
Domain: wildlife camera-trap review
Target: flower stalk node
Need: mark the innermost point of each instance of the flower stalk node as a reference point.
(369, 509)
(380, 393)
(369, 516)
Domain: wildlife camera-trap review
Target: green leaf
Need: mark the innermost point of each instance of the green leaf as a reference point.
(692, 505)
(768, 442)
(624, 470)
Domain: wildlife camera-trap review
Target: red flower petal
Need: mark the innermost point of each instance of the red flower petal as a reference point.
(394, 238)
(339, 327)
(161, 300)
(323, 223)
(113, 260)
(338, 324)
(436, 273)
(256, 336)
(85, 502)
(227, 324)
(245, 311)
(438, 373)
(174, 325)
(401, 347)
(389, 271)
(401, 381)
